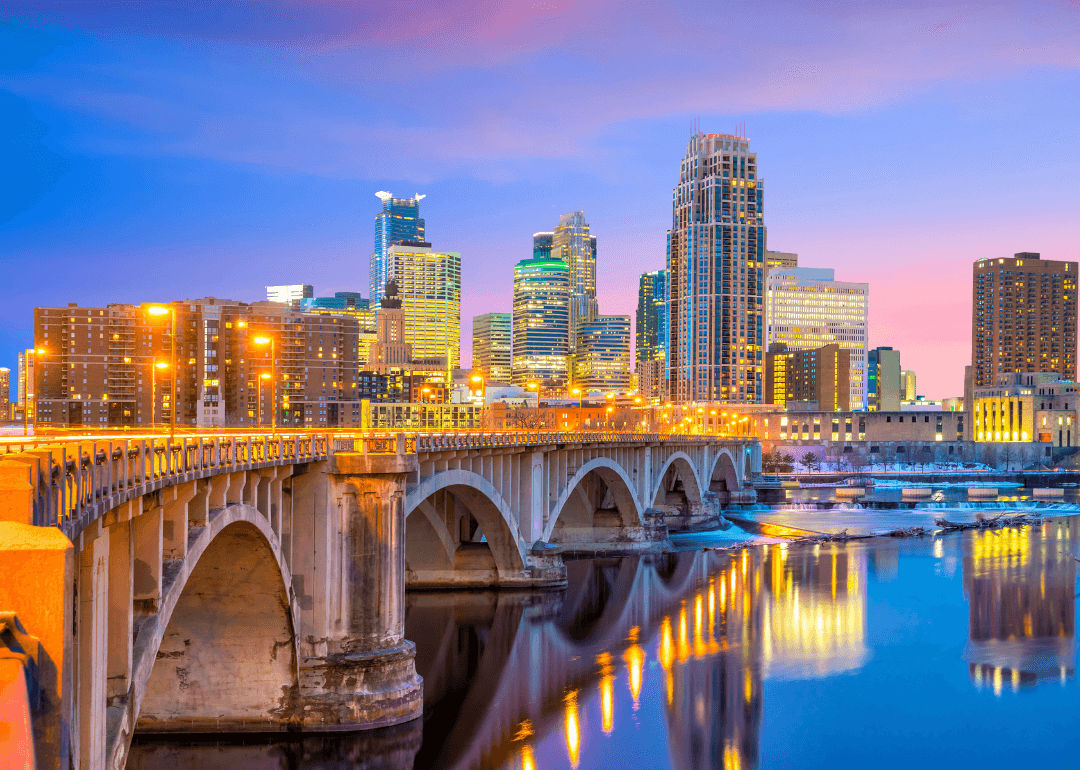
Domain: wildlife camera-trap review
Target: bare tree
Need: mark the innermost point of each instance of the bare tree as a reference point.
(524, 418)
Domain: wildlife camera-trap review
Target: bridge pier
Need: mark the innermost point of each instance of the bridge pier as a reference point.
(362, 674)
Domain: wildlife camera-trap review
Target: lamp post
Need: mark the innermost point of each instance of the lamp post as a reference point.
(160, 310)
(153, 390)
(258, 401)
(262, 340)
(33, 354)
(580, 410)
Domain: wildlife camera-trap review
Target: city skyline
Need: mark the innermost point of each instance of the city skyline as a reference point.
(117, 166)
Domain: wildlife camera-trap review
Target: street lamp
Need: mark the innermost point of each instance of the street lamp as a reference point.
(423, 406)
(28, 386)
(153, 390)
(580, 409)
(160, 310)
(261, 340)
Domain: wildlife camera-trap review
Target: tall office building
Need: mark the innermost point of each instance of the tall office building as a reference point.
(429, 285)
(1023, 317)
(715, 262)
(816, 378)
(809, 308)
(541, 323)
(398, 221)
(884, 388)
(5, 393)
(908, 389)
(651, 334)
(491, 346)
(601, 357)
(572, 243)
(292, 294)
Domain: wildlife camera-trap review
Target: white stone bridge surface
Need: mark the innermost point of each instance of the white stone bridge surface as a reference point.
(241, 582)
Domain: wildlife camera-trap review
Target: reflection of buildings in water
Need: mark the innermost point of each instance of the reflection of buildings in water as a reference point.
(709, 651)
(814, 612)
(884, 562)
(1020, 585)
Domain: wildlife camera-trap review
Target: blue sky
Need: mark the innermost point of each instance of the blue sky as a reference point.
(166, 150)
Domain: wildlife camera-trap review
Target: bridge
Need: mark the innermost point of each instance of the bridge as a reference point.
(242, 582)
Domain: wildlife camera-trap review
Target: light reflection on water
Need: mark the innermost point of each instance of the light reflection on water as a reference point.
(773, 656)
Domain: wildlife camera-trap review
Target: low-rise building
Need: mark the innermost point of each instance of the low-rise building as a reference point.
(1031, 406)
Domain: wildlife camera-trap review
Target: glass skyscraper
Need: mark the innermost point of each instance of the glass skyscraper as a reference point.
(541, 325)
(429, 286)
(492, 346)
(542, 245)
(399, 220)
(572, 244)
(651, 331)
(602, 353)
(715, 261)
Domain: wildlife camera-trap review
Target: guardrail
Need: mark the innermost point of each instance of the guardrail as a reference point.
(77, 479)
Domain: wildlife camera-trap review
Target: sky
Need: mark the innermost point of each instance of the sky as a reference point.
(164, 150)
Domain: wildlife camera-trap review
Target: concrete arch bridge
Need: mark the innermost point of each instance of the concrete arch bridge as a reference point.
(242, 582)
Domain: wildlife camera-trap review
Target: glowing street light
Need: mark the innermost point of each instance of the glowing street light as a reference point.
(158, 311)
(264, 340)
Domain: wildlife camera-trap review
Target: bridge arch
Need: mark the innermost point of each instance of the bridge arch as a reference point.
(600, 492)
(439, 535)
(221, 652)
(724, 475)
(677, 483)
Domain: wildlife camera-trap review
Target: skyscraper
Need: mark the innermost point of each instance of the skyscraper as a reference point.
(602, 353)
(572, 244)
(5, 393)
(491, 346)
(715, 261)
(541, 327)
(808, 308)
(651, 334)
(429, 285)
(883, 386)
(1023, 317)
(399, 220)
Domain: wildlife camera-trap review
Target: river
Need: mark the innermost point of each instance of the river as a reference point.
(957, 649)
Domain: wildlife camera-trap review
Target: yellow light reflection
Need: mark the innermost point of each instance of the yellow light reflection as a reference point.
(573, 727)
(635, 664)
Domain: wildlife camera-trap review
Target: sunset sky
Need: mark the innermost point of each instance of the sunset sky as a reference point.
(154, 151)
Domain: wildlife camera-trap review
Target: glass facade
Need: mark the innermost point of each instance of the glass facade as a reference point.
(715, 262)
(399, 220)
(541, 323)
(491, 346)
(429, 286)
(572, 244)
(602, 353)
(651, 332)
(808, 308)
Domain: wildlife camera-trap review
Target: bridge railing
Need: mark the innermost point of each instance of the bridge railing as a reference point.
(76, 479)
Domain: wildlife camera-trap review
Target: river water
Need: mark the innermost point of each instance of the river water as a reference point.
(957, 649)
